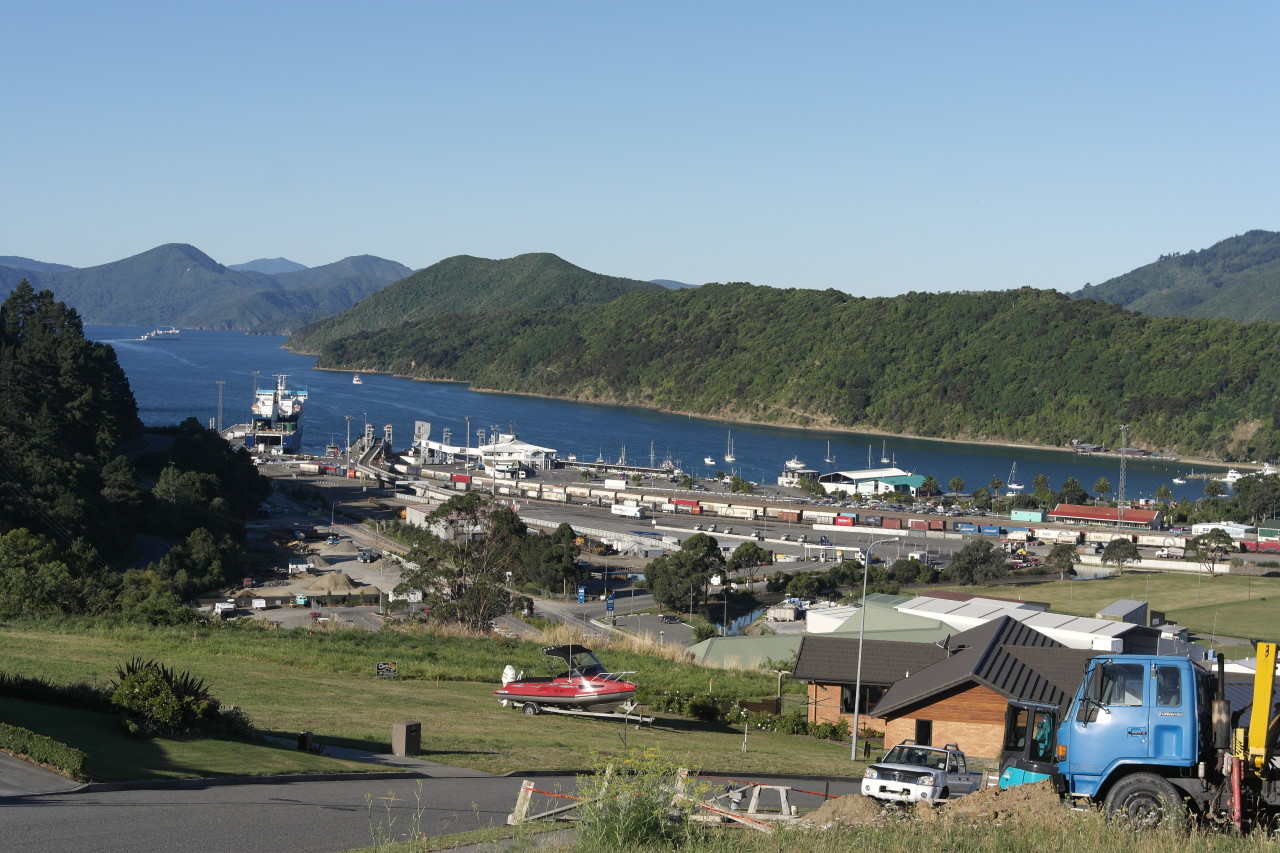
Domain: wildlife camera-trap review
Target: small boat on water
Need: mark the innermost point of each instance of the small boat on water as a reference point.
(884, 457)
(1013, 485)
(578, 680)
(728, 451)
(169, 334)
(708, 460)
(356, 380)
(794, 464)
(829, 459)
(1179, 481)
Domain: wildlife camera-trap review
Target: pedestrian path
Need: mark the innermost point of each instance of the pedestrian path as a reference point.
(20, 778)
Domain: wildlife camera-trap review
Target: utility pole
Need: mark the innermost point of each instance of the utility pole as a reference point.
(220, 382)
(1124, 446)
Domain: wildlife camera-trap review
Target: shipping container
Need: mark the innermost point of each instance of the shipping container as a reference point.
(937, 524)
(309, 468)
(843, 521)
(892, 523)
(788, 515)
(461, 478)
(1270, 546)
(1035, 516)
(684, 502)
(818, 517)
(918, 524)
(964, 527)
(1268, 533)
(615, 484)
(873, 520)
(990, 530)
(352, 473)
(1104, 536)
(1157, 541)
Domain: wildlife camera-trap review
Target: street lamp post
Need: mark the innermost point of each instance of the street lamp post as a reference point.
(862, 635)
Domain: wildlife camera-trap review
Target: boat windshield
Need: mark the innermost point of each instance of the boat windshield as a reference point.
(588, 664)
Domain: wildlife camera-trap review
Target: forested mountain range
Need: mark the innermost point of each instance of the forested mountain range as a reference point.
(1238, 278)
(467, 285)
(1025, 365)
(177, 284)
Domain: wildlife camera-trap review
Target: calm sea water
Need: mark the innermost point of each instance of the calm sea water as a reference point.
(175, 380)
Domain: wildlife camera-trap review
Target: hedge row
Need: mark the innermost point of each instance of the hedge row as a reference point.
(44, 750)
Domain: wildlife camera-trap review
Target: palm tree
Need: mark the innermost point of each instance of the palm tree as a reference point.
(1163, 493)
(1102, 487)
(1040, 481)
(956, 484)
(929, 486)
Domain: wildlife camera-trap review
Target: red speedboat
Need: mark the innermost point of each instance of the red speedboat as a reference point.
(578, 680)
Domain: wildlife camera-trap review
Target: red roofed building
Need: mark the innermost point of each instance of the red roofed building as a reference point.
(1106, 516)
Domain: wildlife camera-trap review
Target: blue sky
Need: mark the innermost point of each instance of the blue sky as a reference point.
(875, 148)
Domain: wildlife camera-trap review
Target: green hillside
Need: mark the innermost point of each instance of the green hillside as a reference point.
(1238, 279)
(467, 285)
(1025, 365)
(177, 284)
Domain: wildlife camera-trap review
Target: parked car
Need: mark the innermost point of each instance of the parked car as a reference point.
(912, 772)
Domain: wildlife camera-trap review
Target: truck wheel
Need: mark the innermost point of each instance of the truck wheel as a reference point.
(1145, 801)
(531, 708)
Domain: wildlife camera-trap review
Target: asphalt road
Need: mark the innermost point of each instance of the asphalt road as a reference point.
(293, 817)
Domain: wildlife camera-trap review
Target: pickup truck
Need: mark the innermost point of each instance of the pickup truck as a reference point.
(912, 773)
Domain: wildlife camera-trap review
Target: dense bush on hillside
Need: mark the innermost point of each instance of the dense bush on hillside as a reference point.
(1026, 365)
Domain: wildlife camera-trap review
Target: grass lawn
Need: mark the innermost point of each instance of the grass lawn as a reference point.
(113, 756)
(293, 681)
(1226, 605)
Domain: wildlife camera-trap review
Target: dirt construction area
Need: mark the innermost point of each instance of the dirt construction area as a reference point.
(1036, 803)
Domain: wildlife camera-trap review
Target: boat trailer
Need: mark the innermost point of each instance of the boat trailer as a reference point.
(626, 712)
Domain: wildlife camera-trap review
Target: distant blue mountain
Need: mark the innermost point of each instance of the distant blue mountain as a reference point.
(269, 266)
(28, 264)
(671, 284)
(179, 285)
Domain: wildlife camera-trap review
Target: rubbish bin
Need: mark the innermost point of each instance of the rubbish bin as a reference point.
(304, 741)
(406, 738)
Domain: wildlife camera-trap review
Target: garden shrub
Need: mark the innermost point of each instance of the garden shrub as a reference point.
(158, 701)
(43, 750)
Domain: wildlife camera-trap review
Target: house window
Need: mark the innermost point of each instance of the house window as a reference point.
(870, 695)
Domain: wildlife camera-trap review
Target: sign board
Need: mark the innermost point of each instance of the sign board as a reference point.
(582, 595)
(387, 669)
(608, 605)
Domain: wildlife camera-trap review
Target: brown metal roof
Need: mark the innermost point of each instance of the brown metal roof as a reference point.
(834, 660)
(1005, 656)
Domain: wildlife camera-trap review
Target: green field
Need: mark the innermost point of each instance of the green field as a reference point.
(1231, 606)
(323, 682)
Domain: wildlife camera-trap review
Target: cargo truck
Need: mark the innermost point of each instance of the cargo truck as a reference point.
(1156, 739)
(627, 510)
